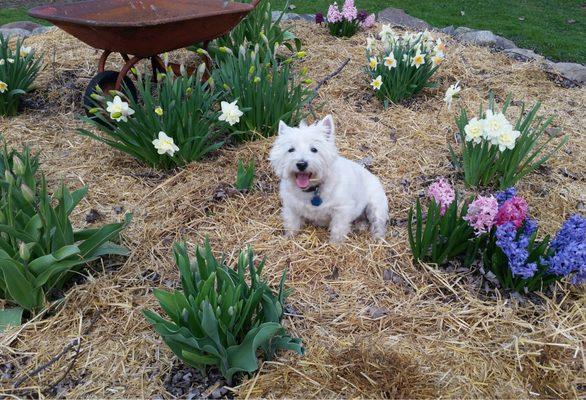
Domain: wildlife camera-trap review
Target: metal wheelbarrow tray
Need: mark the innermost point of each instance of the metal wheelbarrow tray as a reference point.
(143, 28)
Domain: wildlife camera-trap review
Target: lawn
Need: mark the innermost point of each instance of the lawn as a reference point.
(554, 28)
(16, 14)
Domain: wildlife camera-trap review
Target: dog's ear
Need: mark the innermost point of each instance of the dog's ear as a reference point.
(328, 124)
(282, 128)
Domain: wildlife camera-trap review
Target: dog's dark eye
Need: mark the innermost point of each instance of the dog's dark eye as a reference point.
(292, 149)
(313, 150)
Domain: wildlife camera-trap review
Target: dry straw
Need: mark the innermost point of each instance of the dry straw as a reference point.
(375, 324)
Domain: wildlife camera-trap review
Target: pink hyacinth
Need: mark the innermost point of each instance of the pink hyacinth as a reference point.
(349, 11)
(334, 14)
(369, 21)
(481, 214)
(443, 194)
(513, 210)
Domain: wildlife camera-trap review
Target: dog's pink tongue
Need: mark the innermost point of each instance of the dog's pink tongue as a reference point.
(302, 180)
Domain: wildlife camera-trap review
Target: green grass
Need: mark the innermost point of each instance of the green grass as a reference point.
(17, 14)
(544, 29)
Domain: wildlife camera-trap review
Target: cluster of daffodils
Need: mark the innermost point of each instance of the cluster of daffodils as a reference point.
(494, 128)
(345, 22)
(18, 69)
(401, 65)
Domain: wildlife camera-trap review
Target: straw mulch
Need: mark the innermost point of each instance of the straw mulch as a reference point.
(374, 323)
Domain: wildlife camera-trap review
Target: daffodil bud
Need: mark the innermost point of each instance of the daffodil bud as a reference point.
(202, 52)
(211, 82)
(227, 50)
(256, 79)
(94, 110)
(264, 38)
(97, 97)
(218, 311)
(159, 111)
(242, 50)
(161, 76)
(182, 70)
(300, 54)
(251, 70)
(188, 91)
(277, 44)
(166, 59)
(226, 87)
(231, 311)
(8, 177)
(169, 68)
(288, 61)
(27, 193)
(17, 166)
(201, 70)
(304, 71)
(24, 252)
(308, 81)
(134, 70)
(98, 89)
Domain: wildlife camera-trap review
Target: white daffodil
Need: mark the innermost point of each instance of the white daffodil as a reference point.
(452, 92)
(507, 139)
(474, 130)
(390, 61)
(25, 51)
(436, 60)
(372, 63)
(405, 57)
(386, 31)
(377, 83)
(418, 60)
(440, 47)
(10, 60)
(165, 144)
(230, 112)
(119, 110)
(494, 125)
(369, 42)
(3, 87)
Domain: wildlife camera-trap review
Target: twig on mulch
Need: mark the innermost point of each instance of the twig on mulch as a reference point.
(66, 349)
(324, 80)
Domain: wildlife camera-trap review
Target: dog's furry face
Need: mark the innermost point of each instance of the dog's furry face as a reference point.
(303, 154)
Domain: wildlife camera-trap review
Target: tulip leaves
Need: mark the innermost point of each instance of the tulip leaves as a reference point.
(39, 248)
(217, 319)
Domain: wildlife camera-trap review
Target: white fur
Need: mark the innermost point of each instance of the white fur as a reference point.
(347, 189)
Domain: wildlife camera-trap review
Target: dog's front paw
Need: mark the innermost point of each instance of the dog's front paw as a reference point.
(337, 238)
(290, 234)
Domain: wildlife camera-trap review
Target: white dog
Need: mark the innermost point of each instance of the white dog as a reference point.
(321, 187)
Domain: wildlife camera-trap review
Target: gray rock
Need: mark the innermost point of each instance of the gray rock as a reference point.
(26, 25)
(16, 32)
(523, 55)
(308, 17)
(572, 71)
(398, 17)
(486, 38)
(449, 30)
(461, 30)
(42, 29)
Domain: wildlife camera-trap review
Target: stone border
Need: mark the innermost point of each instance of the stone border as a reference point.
(575, 73)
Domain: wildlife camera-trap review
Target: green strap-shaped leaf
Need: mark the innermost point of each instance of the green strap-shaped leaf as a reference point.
(38, 265)
(10, 317)
(18, 286)
(242, 358)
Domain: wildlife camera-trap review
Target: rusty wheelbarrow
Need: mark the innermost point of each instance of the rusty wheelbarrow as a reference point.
(142, 29)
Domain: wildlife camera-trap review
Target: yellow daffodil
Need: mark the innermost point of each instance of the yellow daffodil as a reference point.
(377, 83)
(256, 79)
(25, 51)
(159, 111)
(300, 54)
(373, 63)
(3, 87)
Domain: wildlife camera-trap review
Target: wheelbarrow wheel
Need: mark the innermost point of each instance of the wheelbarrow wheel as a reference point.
(106, 81)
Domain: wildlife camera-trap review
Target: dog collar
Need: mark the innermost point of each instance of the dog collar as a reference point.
(316, 199)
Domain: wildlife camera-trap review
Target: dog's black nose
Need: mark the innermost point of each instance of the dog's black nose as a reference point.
(301, 165)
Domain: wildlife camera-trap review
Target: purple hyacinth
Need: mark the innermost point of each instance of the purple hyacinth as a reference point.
(362, 15)
(319, 18)
(505, 195)
(515, 248)
(569, 250)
